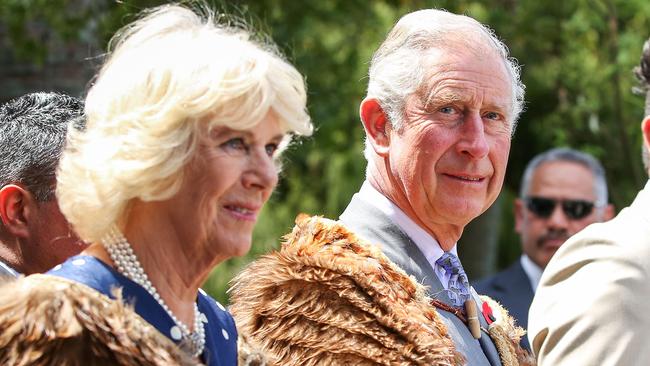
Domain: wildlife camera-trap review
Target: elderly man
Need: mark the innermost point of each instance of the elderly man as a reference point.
(34, 235)
(562, 192)
(443, 98)
(442, 102)
(591, 305)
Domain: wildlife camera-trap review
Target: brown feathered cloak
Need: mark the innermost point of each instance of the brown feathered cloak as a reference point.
(47, 320)
(329, 298)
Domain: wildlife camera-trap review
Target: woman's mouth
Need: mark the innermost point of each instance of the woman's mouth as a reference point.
(243, 212)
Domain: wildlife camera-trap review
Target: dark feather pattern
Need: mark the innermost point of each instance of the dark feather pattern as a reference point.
(329, 298)
(47, 320)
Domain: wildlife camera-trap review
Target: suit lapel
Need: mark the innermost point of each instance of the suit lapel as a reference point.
(374, 226)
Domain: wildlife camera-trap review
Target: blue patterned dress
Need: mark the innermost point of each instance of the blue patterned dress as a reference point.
(220, 331)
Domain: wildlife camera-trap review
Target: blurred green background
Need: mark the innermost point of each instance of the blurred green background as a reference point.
(576, 57)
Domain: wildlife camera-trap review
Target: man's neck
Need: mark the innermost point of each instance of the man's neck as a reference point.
(532, 270)
(446, 235)
(10, 255)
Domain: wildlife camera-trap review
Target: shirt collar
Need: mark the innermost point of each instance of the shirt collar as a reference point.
(428, 245)
(533, 271)
(5, 268)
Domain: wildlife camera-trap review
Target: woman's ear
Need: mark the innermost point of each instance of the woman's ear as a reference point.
(15, 209)
(376, 124)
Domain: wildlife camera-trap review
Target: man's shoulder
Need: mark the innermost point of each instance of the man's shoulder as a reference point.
(582, 284)
(625, 236)
(369, 223)
(323, 265)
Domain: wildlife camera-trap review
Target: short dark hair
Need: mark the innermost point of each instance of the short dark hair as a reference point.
(32, 135)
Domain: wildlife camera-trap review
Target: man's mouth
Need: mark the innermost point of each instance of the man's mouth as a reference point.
(466, 178)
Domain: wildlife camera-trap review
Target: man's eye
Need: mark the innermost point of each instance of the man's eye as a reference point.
(447, 110)
(492, 115)
(271, 149)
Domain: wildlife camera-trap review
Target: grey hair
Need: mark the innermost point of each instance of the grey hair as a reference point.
(397, 69)
(642, 73)
(32, 135)
(569, 155)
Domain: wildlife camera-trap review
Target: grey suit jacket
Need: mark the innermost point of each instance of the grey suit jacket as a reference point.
(372, 225)
(511, 288)
(591, 306)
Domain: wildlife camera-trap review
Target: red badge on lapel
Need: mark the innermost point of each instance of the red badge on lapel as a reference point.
(487, 313)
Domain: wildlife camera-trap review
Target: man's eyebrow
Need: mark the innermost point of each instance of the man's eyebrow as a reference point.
(447, 97)
(498, 107)
(434, 98)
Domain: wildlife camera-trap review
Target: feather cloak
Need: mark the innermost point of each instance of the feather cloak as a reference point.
(329, 298)
(47, 320)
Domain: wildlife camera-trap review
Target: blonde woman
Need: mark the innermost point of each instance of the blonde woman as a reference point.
(185, 123)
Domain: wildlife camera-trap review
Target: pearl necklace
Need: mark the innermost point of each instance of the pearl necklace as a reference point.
(127, 263)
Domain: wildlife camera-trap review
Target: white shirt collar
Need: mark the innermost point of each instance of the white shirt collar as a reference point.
(4, 267)
(428, 245)
(533, 271)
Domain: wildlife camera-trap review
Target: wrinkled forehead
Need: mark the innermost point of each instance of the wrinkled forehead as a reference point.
(463, 70)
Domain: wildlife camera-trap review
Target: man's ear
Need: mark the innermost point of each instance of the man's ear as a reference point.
(376, 124)
(519, 215)
(15, 209)
(645, 128)
(609, 212)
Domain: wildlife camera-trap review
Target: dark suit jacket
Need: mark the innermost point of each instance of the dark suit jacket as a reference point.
(372, 225)
(510, 287)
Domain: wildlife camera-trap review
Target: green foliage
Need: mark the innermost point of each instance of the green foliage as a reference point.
(577, 57)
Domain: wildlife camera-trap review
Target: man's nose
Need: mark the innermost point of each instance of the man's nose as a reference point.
(558, 218)
(473, 141)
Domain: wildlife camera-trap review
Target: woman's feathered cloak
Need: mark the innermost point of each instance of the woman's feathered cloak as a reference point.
(47, 320)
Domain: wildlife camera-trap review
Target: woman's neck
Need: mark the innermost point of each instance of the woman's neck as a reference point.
(173, 268)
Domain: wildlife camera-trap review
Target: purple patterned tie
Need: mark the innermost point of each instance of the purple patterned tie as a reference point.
(458, 285)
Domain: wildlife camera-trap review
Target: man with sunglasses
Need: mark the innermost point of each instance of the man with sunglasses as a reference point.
(591, 307)
(562, 192)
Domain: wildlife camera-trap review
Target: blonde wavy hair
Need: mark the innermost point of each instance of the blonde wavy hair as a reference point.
(169, 77)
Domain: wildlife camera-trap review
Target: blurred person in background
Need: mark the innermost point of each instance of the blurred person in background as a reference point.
(591, 306)
(34, 235)
(562, 192)
(186, 121)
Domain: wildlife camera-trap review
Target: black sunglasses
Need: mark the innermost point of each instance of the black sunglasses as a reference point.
(573, 209)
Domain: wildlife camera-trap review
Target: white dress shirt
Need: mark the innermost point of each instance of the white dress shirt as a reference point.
(533, 271)
(428, 245)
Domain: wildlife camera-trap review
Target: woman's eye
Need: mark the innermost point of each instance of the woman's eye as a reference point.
(271, 149)
(235, 144)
